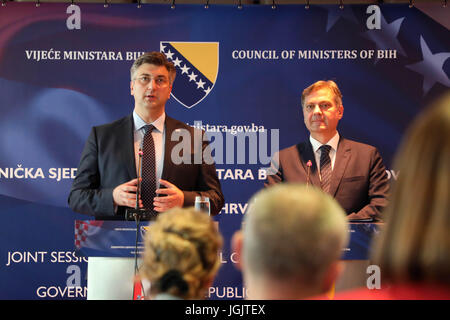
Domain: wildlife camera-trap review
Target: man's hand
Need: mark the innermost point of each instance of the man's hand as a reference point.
(125, 194)
(174, 198)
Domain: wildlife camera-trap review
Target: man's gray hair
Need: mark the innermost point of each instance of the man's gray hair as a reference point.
(293, 232)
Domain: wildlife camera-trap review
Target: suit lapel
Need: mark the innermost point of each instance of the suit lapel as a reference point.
(126, 141)
(306, 153)
(343, 155)
(169, 126)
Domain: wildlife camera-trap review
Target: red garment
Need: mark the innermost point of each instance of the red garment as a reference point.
(395, 292)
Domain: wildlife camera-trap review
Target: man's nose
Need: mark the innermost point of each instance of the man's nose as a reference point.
(151, 84)
(317, 109)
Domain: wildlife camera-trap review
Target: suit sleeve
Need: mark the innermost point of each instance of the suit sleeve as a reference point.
(275, 172)
(86, 196)
(378, 191)
(208, 184)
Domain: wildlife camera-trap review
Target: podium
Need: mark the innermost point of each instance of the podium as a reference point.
(355, 258)
(110, 247)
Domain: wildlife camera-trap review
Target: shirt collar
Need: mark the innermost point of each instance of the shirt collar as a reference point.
(139, 123)
(333, 143)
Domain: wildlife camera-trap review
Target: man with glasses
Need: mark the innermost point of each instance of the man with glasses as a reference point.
(106, 180)
(352, 172)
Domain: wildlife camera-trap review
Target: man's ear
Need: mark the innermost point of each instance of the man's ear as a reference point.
(341, 111)
(331, 275)
(170, 91)
(236, 247)
(131, 87)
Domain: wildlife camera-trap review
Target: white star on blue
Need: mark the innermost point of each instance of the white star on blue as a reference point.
(386, 37)
(190, 88)
(334, 14)
(431, 67)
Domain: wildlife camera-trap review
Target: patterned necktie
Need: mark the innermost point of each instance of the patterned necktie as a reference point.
(148, 184)
(325, 168)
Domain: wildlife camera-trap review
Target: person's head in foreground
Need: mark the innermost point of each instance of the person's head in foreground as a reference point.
(291, 242)
(414, 247)
(181, 255)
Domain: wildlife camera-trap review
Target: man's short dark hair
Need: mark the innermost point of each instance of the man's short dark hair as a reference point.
(156, 58)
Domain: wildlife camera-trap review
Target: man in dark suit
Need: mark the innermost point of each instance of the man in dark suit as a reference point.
(106, 180)
(350, 171)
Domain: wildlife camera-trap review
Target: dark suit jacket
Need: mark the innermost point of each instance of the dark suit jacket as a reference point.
(359, 180)
(108, 160)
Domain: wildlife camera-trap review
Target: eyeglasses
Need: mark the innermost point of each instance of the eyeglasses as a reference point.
(160, 82)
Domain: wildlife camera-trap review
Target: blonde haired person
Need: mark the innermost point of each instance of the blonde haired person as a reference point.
(321, 84)
(181, 256)
(413, 251)
(291, 242)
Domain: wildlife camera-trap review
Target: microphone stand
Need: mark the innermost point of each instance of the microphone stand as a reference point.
(137, 214)
(136, 268)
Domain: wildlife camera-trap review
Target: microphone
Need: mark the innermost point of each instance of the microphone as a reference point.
(308, 170)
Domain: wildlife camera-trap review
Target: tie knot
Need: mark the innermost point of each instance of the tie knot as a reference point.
(149, 128)
(325, 149)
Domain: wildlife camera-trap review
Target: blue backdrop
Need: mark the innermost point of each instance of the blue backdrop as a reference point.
(56, 83)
